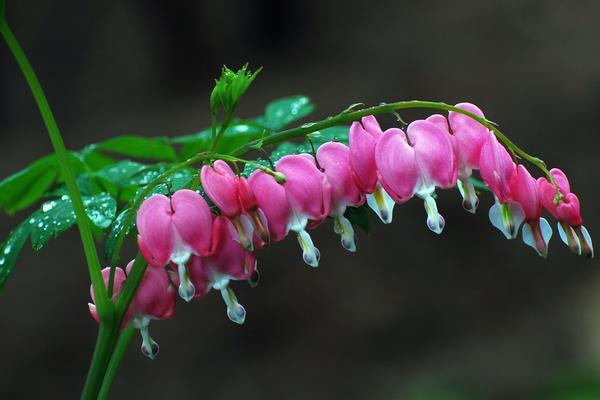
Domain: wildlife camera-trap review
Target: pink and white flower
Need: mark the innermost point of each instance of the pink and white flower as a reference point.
(416, 162)
(363, 139)
(536, 230)
(228, 261)
(173, 229)
(309, 195)
(334, 159)
(497, 170)
(154, 299)
(565, 208)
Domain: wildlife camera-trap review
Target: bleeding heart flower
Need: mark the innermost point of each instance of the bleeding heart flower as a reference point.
(271, 198)
(536, 231)
(363, 139)
(171, 230)
(418, 167)
(309, 196)
(468, 137)
(228, 261)
(153, 299)
(334, 159)
(497, 170)
(565, 208)
(222, 187)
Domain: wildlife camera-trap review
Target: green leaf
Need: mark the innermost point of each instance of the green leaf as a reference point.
(250, 168)
(26, 187)
(359, 217)
(10, 250)
(94, 159)
(333, 134)
(338, 133)
(236, 135)
(140, 147)
(56, 216)
(117, 227)
(116, 177)
(282, 112)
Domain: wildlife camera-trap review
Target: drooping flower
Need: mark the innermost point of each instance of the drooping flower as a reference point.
(416, 167)
(468, 137)
(333, 158)
(309, 196)
(497, 170)
(363, 139)
(272, 199)
(536, 231)
(171, 230)
(228, 261)
(221, 186)
(565, 208)
(153, 299)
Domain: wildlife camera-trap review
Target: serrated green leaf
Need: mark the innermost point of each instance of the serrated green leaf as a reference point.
(282, 112)
(10, 250)
(56, 216)
(359, 217)
(26, 187)
(140, 147)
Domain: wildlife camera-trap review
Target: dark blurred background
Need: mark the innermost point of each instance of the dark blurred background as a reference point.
(468, 315)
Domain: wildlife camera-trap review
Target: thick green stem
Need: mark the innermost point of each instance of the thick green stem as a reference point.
(99, 361)
(115, 361)
(102, 301)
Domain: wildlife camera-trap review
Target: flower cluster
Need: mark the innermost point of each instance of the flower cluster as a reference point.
(189, 247)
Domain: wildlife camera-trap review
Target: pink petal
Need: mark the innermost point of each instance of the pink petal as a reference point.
(306, 187)
(523, 188)
(568, 210)
(469, 134)
(219, 183)
(362, 155)
(193, 220)
(442, 123)
(229, 258)
(433, 152)
(397, 165)
(561, 180)
(246, 195)
(154, 224)
(273, 202)
(199, 276)
(497, 168)
(333, 158)
(155, 296)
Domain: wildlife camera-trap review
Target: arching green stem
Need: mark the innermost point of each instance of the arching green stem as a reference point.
(83, 222)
